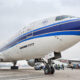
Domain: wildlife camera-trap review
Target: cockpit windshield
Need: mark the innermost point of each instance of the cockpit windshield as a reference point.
(63, 17)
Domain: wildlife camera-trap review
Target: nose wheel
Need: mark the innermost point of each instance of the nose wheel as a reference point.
(49, 69)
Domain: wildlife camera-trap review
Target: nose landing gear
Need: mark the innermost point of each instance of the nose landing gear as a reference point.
(49, 69)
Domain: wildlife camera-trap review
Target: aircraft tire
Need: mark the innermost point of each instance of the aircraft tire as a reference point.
(48, 69)
(14, 67)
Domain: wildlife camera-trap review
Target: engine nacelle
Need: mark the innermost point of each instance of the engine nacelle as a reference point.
(32, 62)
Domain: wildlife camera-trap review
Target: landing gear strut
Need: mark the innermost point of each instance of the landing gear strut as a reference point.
(49, 69)
(14, 67)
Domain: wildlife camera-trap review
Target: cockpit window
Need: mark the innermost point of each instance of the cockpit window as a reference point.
(63, 17)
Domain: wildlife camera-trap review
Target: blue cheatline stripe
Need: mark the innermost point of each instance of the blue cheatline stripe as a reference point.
(75, 33)
(44, 30)
(68, 26)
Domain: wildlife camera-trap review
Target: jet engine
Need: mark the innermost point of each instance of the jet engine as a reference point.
(32, 62)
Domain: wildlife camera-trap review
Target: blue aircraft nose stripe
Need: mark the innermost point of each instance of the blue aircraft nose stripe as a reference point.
(75, 33)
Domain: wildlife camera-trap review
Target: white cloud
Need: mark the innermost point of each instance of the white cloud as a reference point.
(11, 3)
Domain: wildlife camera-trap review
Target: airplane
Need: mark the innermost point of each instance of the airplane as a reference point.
(54, 34)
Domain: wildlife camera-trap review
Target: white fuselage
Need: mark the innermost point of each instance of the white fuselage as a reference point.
(40, 46)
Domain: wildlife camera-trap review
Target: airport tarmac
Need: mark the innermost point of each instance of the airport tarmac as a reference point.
(30, 74)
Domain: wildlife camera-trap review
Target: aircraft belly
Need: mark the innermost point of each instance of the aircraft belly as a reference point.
(40, 47)
(43, 46)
